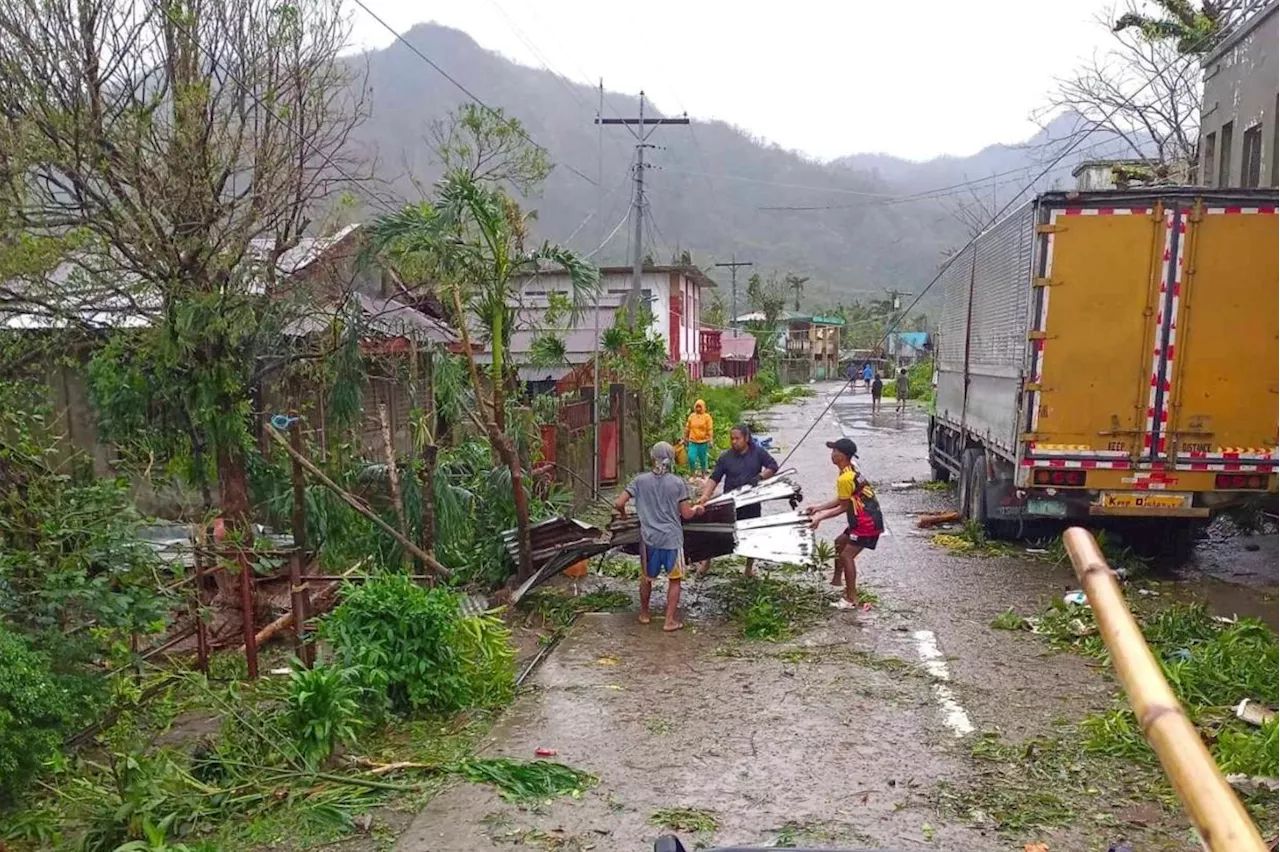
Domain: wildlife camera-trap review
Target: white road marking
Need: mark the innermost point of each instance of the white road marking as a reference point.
(952, 713)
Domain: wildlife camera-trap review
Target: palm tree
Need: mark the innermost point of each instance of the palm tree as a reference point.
(1194, 30)
(469, 242)
(796, 284)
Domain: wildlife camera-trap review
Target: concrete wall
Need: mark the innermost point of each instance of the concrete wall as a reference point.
(615, 286)
(1241, 85)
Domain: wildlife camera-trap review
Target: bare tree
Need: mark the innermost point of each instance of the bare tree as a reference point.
(1143, 91)
(188, 143)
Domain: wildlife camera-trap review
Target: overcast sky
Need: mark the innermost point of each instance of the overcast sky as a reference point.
(824, 77)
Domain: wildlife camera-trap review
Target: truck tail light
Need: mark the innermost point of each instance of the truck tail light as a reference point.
(1059, 478)
(1241, 481)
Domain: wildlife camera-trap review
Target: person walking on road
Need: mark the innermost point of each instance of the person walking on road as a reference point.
(903, 389)
(699, 431)
(662, 503)
(745, 463)
(866, 375)
(877, 391)
(864, 522)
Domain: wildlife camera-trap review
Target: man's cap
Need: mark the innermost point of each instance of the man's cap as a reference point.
(844, 445)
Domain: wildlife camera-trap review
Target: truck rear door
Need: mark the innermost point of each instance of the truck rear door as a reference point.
(1220, 364)
(1094, 325)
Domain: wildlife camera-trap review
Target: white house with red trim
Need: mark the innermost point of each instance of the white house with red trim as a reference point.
(673, 293)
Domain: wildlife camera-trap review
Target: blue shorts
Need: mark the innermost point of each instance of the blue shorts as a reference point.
(658, 562)
(698, 454)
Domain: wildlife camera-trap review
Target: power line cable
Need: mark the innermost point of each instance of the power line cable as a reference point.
(611, 196)
(523, 133)
(942, 191)
(612, 234)
(564, 81)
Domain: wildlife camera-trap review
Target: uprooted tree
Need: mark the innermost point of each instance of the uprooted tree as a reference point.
(187, 146)
(469, 241)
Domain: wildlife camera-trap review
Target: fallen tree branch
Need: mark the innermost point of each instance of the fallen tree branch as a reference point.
(934, 519)
(355, 503)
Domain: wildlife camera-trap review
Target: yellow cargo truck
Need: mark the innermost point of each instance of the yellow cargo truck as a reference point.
(1112, 355)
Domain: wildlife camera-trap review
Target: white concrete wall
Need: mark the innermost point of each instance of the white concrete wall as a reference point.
(615, 287)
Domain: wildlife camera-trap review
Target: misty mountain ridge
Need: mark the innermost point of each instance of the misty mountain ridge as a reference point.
(713, 190)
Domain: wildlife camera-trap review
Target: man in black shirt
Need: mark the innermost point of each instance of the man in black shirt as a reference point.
(744, 463)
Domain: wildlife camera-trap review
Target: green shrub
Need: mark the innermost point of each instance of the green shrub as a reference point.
(412, 646)
(34, 709)
(488, 660)
(322, 710)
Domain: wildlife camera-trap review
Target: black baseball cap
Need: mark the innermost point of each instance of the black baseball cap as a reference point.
(844, 445)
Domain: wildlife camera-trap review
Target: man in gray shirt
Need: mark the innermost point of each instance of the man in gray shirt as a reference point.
(904, 388)
(662, 503)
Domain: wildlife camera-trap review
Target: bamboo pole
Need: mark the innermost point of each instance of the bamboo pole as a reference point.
(1209, 801)
(354, 503)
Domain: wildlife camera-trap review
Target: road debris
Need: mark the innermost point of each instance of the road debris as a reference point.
(785, 538)
(933, 519)
(1253, 712)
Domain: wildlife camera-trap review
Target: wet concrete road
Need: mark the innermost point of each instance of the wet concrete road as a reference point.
(840, 738)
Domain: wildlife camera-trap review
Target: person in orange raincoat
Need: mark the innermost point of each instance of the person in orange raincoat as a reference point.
(698, 433)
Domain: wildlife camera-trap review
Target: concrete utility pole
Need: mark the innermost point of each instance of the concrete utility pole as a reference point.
(895, 305)
(733, 288)
(638, 128)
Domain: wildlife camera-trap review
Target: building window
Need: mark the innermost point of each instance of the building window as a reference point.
(1224, 159)
(1251, 157)
(1210, 145)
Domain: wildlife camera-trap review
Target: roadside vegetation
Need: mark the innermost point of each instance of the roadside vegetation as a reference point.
(107, 744)
(1103, 762)
(920, 381)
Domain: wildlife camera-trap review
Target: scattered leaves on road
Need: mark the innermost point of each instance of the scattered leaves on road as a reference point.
(685, 819)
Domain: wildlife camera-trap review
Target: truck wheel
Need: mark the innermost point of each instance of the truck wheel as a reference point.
(975, 505)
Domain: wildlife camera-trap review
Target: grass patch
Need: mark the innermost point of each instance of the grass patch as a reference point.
(1122, 558)
(933, 485)
(618, 566)
(685, 819)
(1046, 783)
(1211, 664)
(769, 609)
(1007, 620)
(557, 611)
(971, 540)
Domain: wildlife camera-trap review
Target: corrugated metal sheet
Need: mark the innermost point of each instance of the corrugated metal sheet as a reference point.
(782, 537)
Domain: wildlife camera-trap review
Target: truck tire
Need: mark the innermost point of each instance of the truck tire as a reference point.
(966, 480)
(975, 504)
(940, 472)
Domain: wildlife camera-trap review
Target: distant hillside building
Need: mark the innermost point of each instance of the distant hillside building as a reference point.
(1238, 138)
(907, 347)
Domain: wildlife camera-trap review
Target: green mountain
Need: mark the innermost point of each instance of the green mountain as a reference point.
(713, 190)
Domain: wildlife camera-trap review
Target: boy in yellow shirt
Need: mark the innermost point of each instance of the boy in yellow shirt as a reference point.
(699, 430)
